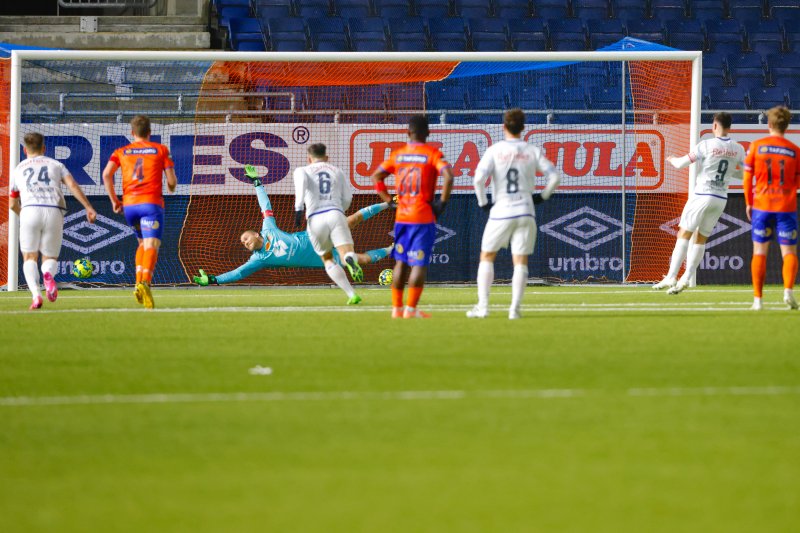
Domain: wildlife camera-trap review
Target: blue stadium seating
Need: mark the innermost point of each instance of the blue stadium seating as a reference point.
(767, 97)
(528, 35)
(277, 8)
(353, 8)
(228, 12)
(367, 34)
(648, 29)
(629, 9)
(287, 35)
(763, 31)
(512, 9)
(393, 8)
(666, 10)
(488, 35)
(473, 8)
(725, 32)
(793, 95)
(328, 34)
(747, 66)
(708, 10)
(243, 30)
(588, 10)
(433, 8)
(727, 98)
(784, 70)
(603, 32)
(550, 9)
(408, 34)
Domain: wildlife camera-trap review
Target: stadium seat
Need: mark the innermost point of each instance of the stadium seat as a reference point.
(727, 98)
(763, 31)
(588, 10)
(487, 97)
(488, 35)
(244, 29)
(228, 12)
(529, 45)
(474, 9)
(349, 9)
(273, 9)
(746, 13)
(665, 10)
(550, 9)
(767, 97)
(647, 29)
(604, 32)
(714, 11)
(747, 70)
(786, 14)
(724, 32)
(287, 35)
(449, 28)
(784, 70)
(408, 34)
(767, 48)
(329, 34)
(528, 34)
(441, 96)
(512, 9)
(688, 34)
(433, 8)
(233, 3)
(715, 64)
(629, 9)
(367, 34)
(793, 95)
(393, 8)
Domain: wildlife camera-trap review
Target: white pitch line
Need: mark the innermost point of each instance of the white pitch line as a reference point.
(383, 309)
(260, 397)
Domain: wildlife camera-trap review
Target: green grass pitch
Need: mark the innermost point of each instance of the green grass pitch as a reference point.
(605, 409)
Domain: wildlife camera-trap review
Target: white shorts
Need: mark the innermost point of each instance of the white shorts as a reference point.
(520, 232)
(328, 230)
(701, 213)
(41, 230)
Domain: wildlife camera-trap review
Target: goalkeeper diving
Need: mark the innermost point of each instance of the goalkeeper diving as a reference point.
(275, 248)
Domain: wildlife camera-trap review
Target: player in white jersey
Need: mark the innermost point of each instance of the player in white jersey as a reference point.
(326, 194)
(512, 165)
(719, 159)
(37, 198)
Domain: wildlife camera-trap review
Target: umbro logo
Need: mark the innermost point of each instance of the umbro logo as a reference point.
(585, 228)
(727, 228)
(87, 238)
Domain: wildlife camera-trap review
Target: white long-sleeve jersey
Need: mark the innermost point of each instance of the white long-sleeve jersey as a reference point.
(321, 187)
(513, 165)
(38, 180)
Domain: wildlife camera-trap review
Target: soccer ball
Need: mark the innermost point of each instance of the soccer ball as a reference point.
(385, 277)
(82, 268)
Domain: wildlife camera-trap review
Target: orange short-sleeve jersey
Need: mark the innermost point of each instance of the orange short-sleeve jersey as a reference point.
(143, 164)
(416, 167)
(773, 164)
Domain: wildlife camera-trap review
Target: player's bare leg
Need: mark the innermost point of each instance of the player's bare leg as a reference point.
(399, 278)
(789, 253)
(337, 275)
(416, 282)
(49, 269)
(693, 259)
(30, 268)
(758, 269)
(485, 279)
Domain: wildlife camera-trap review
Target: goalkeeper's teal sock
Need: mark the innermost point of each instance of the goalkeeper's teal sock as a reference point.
(372, 210)
(380, 253)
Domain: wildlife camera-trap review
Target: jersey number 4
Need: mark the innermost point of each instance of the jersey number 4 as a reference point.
(43, 177)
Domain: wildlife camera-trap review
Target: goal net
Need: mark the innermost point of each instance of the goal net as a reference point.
(606, 119)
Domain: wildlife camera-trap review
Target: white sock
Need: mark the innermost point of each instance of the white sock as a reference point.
(31, 271)
(518, 283)
(693, 261)
(485, 279)
(678, 255)
(336, 273)
(51, 266)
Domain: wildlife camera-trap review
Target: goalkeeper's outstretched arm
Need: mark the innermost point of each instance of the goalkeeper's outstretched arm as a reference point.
(249, 268)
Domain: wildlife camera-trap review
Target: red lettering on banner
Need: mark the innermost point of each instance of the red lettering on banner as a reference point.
(468, 159)
(380, 153)
(643, 160)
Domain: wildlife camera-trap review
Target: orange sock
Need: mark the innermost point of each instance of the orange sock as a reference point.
(139, 259)
(758, 267)
(397, 297)
(149, 264)
(789, 270)
(413, 296)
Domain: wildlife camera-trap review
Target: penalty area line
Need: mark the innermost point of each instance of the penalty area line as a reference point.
(261, 397)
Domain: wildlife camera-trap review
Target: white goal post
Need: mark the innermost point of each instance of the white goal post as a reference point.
(18, 57)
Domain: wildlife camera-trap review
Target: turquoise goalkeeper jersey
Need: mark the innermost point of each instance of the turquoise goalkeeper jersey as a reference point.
(281, 249)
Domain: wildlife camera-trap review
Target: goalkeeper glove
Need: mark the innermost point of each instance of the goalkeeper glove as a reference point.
(537, 199)
(205, 279)
(393, 202)
(438, 207)
(250, 172)
(298, 218)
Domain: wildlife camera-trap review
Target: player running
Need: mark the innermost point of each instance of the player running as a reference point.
(143, 164)
(274, 248)
(772, 163)
(326, 195)
(37, 198)
(512, 164)
(416, 167)
(720, 160)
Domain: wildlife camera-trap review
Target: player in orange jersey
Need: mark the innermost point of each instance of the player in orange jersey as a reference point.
(771, 177)
(143, 165)
(416, 167)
